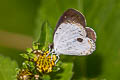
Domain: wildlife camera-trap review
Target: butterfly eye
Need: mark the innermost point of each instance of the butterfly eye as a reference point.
(79, 39)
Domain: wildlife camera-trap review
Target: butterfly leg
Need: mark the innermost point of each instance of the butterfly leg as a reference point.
(52, 53)
(57, 58)
(48, 54)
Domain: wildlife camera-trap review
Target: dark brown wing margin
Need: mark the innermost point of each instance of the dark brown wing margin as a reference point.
(71, 15)
(91, 34)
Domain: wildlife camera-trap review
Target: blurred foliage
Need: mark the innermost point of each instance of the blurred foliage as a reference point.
(66, 74)
(102, 15)
(7, 68)
(18, 15)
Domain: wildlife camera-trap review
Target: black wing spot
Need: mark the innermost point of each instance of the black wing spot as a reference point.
(81, 34)
(79, 39)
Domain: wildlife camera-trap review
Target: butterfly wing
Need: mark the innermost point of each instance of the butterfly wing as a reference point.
(70, 35)
(72, 15)
(91, 33)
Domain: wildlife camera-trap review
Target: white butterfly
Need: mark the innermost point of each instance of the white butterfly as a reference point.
(72, 37)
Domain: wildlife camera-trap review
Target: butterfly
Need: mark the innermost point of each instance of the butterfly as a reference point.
(72, 37)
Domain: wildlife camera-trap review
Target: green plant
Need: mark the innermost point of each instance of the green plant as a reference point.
(38, 64)
(102, 15)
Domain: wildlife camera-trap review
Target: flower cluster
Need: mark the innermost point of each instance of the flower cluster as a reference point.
(38, 61)
(44, 62)
(24, 74)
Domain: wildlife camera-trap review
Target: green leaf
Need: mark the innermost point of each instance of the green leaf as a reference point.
(7, 68)
(31, 65)
(29, 50)
(42, 37)
(24, 55)
(67, 71)
(25, 64)
(46, 77)
(45, 37)
(64, 72)
(17, 70)
(56, 68)
(35, 46)
(32, 55)
(49, 35)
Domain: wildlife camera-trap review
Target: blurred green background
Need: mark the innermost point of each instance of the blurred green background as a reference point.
(19, 20)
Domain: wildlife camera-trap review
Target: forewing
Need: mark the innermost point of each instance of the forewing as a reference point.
(71, 16)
